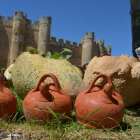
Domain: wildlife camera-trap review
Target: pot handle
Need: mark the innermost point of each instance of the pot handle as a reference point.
(54, 78)
(107, 86)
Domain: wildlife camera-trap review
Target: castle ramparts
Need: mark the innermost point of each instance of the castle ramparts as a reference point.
(17, 32)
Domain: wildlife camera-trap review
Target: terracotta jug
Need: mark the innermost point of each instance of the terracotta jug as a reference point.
(85, 67)
(107, 100)
(104, 55)
(8, 101)
(37, 101)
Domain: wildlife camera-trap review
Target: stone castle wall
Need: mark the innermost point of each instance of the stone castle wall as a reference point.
(58, 45)
(17, 32)
(5, 41)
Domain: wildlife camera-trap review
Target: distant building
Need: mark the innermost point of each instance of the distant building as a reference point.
(18, 32)
(135, 24)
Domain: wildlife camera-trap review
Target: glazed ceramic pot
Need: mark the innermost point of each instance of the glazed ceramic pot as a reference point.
(8, 101)
(46, 96)
(107, 101)
(137, 50)
(4, 78)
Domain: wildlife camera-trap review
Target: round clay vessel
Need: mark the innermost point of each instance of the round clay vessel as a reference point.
(8, 101)
(107, 100)
(104, 55)
(85, 66)
(44, 96)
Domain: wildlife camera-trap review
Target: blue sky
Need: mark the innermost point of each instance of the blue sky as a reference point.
(108, 19)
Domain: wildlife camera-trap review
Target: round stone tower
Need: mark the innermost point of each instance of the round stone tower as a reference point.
(96, 50)
(44, 33)
(100, 43)
(19, 26)
(135, 24)
(87, 47)
(108, 49)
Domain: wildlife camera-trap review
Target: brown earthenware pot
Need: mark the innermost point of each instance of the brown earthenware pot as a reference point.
(8, 101)
(85, 67)
(104, 55)
(44, 96)
(107, 100)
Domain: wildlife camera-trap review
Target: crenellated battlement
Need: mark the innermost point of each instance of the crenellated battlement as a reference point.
(89, 35)
(68, 43)
(9, 20)
(32, 26)
(19, 15)
(52, 39)
(74, 44)
(65, 43)
(2, 19)
(108, 49)
(100, 42)
(82, 40)
(60, 41)
(46, 20)
(35, 25)
(80, 45)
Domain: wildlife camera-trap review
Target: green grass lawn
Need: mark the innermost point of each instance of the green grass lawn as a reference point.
(129, 128)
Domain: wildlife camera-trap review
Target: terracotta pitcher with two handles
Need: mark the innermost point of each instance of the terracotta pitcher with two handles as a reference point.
(46, 96)
(97, 107)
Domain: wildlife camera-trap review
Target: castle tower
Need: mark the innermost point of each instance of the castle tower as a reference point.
(87, 47)
(96, 50)
(100, 43)
(108, 49)
(44, 33)
(19, 26)
(135, 24)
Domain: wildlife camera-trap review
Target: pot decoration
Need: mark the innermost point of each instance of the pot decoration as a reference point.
(137, 50)
(8, 101)
(46, 96)
(107, 104)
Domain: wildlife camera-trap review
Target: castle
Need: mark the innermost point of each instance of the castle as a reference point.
(18, 32)
(135, 24)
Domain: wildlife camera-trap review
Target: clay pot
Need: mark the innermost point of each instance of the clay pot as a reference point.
(104, 55)
(85, 66)
(4, 78)
(44, 96)
(107, 100)
(8, 101)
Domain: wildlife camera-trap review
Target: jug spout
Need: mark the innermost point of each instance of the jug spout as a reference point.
(108, 89)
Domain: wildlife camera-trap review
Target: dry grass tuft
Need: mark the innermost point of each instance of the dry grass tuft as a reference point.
(129, 130)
